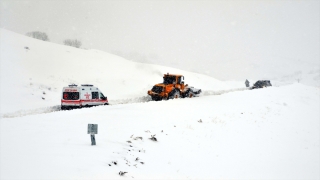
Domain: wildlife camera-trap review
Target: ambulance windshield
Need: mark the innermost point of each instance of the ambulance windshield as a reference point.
(102, 96)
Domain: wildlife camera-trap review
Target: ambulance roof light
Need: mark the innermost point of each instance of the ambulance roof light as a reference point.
(73, 85)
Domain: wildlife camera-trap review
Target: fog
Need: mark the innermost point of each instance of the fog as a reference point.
(253, 39)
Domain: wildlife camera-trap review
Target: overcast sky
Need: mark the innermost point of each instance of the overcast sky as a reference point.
(202, 36)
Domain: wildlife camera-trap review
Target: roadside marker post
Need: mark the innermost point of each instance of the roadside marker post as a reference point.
(92, 130)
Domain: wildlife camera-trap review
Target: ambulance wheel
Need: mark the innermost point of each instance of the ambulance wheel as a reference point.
(106, 104)
(64, 108)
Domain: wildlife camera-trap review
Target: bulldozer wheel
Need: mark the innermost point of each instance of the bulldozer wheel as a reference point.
(175, 94)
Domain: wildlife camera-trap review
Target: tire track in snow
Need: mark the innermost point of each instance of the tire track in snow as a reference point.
(31, 111)
(142, 99)
(211, 93)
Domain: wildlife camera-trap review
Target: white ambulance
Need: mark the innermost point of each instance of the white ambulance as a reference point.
(86, 95)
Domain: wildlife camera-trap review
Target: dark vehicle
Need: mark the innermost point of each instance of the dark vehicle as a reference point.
(261, 84)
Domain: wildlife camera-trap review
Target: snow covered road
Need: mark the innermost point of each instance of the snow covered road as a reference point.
(142, 99)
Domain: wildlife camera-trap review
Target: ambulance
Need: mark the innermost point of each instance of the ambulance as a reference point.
(86, 95)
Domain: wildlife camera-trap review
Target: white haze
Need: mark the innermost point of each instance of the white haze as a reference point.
(252, 39)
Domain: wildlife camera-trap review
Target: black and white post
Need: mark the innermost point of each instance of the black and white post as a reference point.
(92, 130)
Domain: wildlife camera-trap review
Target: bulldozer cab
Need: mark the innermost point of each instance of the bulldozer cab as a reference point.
(173, 79)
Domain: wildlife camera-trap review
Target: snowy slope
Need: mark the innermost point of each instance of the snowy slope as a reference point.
(270, 133)
(44, 68)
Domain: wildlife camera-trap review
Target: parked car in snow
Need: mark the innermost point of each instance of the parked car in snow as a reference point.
(86, 95)
(261, 84)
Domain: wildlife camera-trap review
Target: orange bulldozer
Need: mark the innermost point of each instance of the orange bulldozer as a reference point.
(172, 87)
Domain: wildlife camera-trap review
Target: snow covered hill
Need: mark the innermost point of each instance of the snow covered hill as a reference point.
(270, 133)
(35, 69)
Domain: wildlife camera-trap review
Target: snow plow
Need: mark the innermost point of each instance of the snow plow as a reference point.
(173, 87)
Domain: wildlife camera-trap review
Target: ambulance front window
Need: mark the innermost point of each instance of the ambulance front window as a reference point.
(95, 95)
(102, 96)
